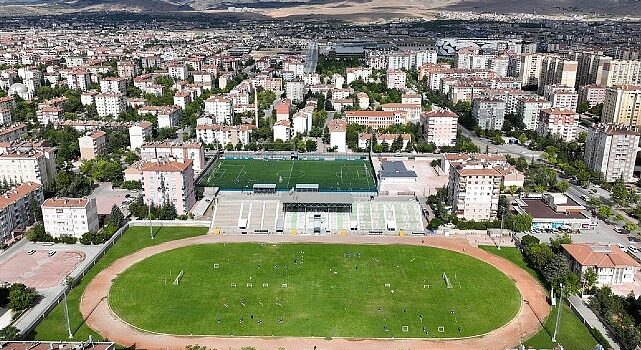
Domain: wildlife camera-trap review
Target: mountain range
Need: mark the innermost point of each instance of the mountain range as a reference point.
(280, 8)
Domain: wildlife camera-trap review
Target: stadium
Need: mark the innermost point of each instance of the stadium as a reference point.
(311, 194)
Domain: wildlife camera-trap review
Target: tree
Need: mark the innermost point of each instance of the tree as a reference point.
(529, 240)
(167, 211)
(9, 333)
(589, 279)
(520, 222)
(630, 226)
(562, 186)
(37, 234)
(555, 243)
(555, 269)
(116, 218)
(21, 297)
(604, 211)
(36, 210)
(539, 255)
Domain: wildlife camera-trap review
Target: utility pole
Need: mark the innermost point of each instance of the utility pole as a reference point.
(255, 103)
(151, 230)
(558, 314)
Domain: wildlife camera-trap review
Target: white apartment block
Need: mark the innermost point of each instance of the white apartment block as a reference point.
(410, 59)
(113, 84)
(180, 151)
(357, 73)
(489, 114)
(168, 116)
(5, 116)
(563, 123)
(221, 108)
(612, 149)
(621, 72)
(49, 114)
(412, 99)
(88, 97)
(169, 181)
(396, 79)
(338, 134)
(282, 130)
(110, 104)
(440, 127)
(363, 100)
(224, 134)
(79, 80)
(376, 119)
(92, 145)
(561, 96)
(473, 191)
(70, 217)
(295, 90)
(531, 69)
(557, 71)
(182, 99)
(139, 133)
(622, 105)
(592, 94)
(30, 166)
(296, 66)
(178, 71)
(528, 109)
(15, 209)
(204, 78)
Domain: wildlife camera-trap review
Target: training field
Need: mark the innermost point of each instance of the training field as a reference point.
(323, 290)
(330, 175)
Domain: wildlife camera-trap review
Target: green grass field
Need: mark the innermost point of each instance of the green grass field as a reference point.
(335, 175)
(332, 290)
(573, 334)
(53, 327)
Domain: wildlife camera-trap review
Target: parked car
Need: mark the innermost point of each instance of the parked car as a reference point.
(622, 247)
(51, 253)
(31, 252)
(633, 249)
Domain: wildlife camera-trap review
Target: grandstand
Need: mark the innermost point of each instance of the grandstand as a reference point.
(316, 213)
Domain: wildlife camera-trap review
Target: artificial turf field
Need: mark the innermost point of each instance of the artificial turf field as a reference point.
(314, 290)
(330, 175)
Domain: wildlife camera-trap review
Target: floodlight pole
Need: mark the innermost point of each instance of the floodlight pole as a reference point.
(151, 230)
(64, 292)
(558, 314)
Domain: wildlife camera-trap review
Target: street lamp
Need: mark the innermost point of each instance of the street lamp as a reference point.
(558, 314)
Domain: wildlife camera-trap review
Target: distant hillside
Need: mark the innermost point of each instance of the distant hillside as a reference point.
(342, 7)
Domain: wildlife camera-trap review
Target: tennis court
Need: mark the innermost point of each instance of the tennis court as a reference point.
(330, 175)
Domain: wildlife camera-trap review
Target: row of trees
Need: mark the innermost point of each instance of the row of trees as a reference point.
(166, 211)
(622, 314)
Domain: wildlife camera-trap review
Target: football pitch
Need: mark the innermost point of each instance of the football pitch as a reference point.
(330, 175)
(321, 290)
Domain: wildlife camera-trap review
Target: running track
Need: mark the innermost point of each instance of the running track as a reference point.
(534, 307)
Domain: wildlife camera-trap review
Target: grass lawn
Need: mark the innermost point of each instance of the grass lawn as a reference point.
(334, 175)
(53, 327)
(332, 290)
(573, 334)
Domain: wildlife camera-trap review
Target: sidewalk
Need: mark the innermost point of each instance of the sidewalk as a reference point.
(591, 319)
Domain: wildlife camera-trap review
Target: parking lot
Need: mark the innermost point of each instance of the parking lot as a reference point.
(40, 268)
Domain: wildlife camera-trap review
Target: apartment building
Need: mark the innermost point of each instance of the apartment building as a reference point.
(139, 133)
(282, 130)
(530, 71)
(590, 67)
(178, 70)
(376, 119)
(79, 79)
(33, 165)
(224, 134)
(182, 99)
(363, 100)
(528, 109)
(180, 151)
(110, 104)
(295, 90)
(221, 108)
(557, 71)
(612, 150)
(622, 105)
(621, 72)
(561, 96)
(49, 114)
(15, 209)
(489, 113)
(169, 181)
(167, 116)
(70, 217)
(357, 73)
(128, 69)
(7, 102)
(396, 79)
(563, 123)
(113, 84)
(338, 134)
(92, 145)
(440, 127)
(473, 191)
(592, 94)
(13, 132)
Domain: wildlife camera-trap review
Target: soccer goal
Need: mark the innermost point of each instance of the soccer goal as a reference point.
(179, 277)
(447, 280)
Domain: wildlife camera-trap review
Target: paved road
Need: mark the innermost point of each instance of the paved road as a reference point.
(534, 306)
(311, 58)
(513, 150)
